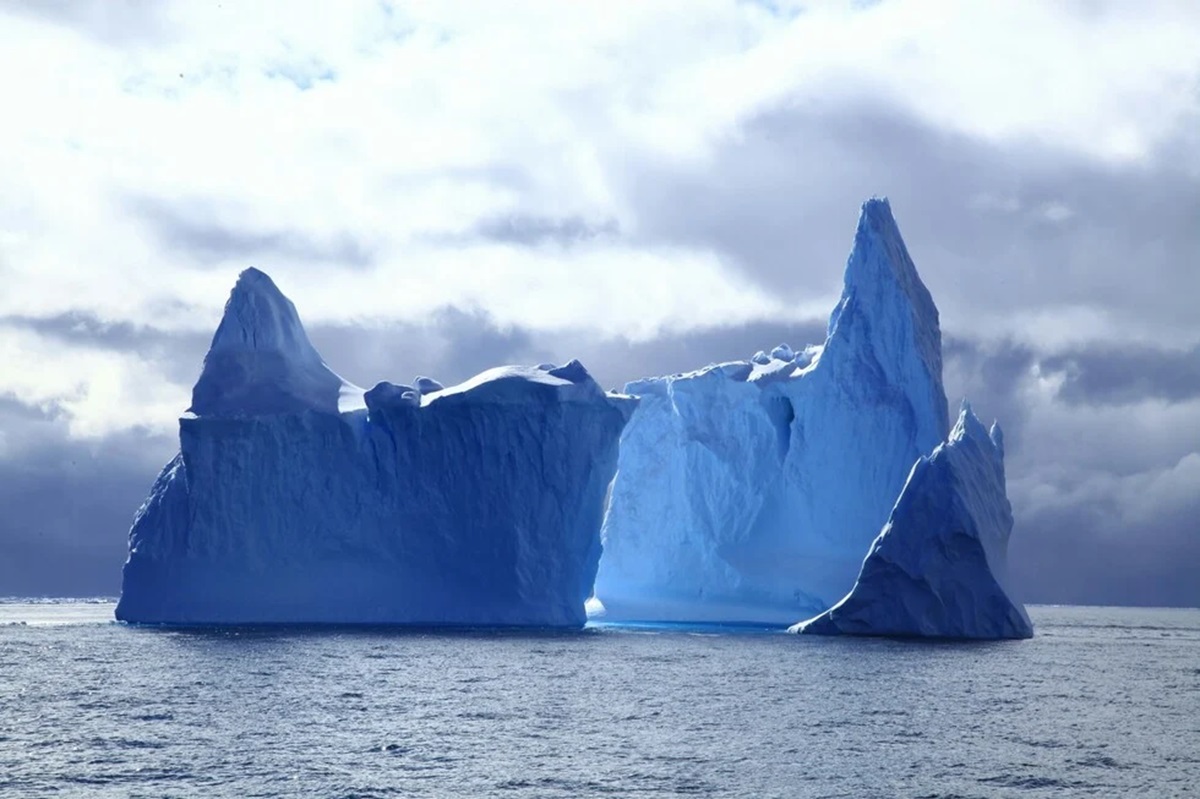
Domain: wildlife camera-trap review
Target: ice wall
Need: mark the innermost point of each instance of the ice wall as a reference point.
(298, 498)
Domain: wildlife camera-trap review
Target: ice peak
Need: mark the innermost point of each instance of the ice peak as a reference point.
(253, 276)
(876, 213)
(886, 315)
(996, 434)
(968, 425)
(259, 317)
(880, 259)
(261, 360)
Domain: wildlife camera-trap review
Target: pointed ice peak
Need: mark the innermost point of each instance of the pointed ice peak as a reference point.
(969, 427)
(254, 279)
(886, 316)
(880, 259)
(261, 361)
(259, 317)
(997, 436)
(876, 214)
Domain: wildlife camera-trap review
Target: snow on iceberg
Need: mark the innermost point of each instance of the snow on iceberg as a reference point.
(749, 491)
(297, 497)
(939, 567)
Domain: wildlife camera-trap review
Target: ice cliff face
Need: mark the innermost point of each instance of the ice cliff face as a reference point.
(939, 567)
(749, 491)
(297, 497)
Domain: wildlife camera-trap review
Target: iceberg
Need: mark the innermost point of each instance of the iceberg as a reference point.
(939, 567)
(297, 497)
(748, 492)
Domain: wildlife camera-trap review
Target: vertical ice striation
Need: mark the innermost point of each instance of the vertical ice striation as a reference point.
(939, 568)
(749, 491)
(295, 498)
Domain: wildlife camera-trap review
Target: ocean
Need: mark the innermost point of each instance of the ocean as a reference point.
(1101, 702)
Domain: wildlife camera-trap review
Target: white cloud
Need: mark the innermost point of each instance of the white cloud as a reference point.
(405, 128)
(1057, 212)
(100, 391)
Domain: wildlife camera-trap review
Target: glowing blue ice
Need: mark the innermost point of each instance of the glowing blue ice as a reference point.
(750, 491)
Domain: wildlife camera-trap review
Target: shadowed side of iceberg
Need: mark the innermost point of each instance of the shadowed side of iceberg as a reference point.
(939, 568)
(478, 504)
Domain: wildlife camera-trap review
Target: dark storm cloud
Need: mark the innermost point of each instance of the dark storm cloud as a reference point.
(1070, 555)
(68, 504)
(614, 363)
(992, 375)
(84, 329)
(1105, 375)
(1084, 546)
(452, 346)
(191, 229)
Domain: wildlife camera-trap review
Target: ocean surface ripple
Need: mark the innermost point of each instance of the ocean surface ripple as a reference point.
(1102, 702)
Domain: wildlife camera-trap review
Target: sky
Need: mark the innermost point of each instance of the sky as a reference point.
(648, 187)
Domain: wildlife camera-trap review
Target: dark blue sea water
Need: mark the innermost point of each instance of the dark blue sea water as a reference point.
(1102, 702)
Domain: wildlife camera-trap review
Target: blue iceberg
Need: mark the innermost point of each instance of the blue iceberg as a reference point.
(297, 497)
(749, 491)
(939, 567)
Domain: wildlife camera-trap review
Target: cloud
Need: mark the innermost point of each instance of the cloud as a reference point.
(291, 137)
(1101, 375)
(779, 201)
(442, 187)
(533, 230)
(197, 231)
(1104, 494)
(97, 390)
(119, 23)
(1114, 539)
(68, 502)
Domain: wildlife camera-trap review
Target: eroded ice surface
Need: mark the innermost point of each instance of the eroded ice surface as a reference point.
(939, 567)
(297, 497)
(750, 491)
